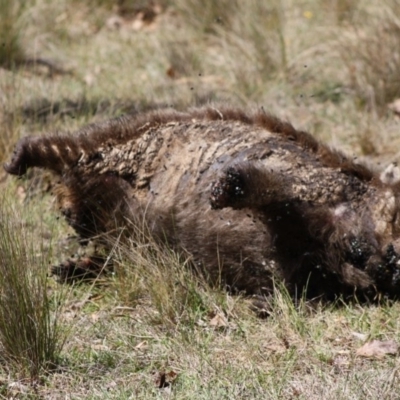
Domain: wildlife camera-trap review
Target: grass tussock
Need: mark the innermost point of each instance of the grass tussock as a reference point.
(31, 336)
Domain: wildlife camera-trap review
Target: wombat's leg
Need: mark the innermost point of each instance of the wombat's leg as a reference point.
(54, 152)
(85, 268)
(96, 204)
(249, 186)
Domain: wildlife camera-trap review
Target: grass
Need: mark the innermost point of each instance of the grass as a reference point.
(31, 334)
(12, 51)
(373, 68)
(155, 329)
(179, 295)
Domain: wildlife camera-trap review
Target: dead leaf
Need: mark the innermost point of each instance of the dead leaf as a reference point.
(112, 385)
(21, 193)
(77, 305)
(171, 72)
(395, 106)
(142, 345)
(378, 349)
(218, 321)
(360, 336)
(98, 345)
(341, 362)
(69, 316)
(89, 79)
(95, 316)
(172, 375)
(115, 22)
(18, 388)
(135, 19)
(275, 348)
(165, 379)
(201, 323)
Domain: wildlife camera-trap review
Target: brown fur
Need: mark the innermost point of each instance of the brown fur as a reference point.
(248, 196)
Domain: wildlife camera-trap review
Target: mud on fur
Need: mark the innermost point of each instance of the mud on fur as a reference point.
(249, 197)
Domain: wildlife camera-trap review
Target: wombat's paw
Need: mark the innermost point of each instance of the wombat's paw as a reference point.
(70, 271)
(18, 164)
(262, 306)
(391, 266)
(228, 190)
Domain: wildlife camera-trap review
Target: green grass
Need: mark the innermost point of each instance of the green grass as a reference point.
(330, 68)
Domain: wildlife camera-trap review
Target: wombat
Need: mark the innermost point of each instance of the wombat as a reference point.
(249, 197)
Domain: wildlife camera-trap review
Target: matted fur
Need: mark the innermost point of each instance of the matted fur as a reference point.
(248, 196)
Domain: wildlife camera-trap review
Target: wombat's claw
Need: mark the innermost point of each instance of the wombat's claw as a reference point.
(262, 306)
(227, 190)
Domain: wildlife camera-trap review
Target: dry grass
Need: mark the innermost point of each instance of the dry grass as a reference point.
(167, 279)
(30, 333)
(11, 48)
(155, 329)
(373, 57)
